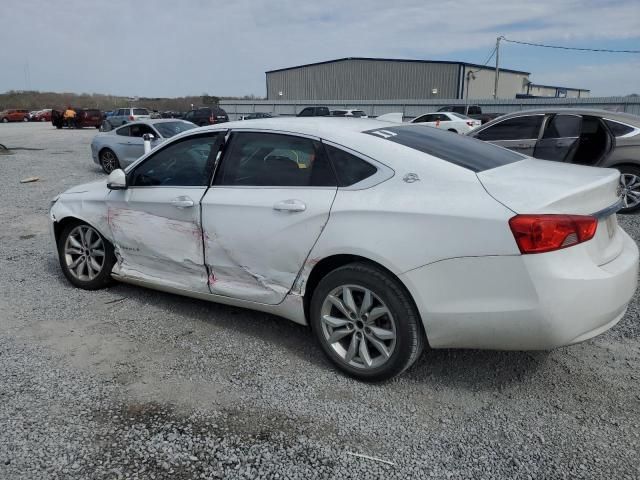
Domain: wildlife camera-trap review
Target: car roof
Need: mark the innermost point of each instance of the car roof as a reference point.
(153, 121)
(597, 112)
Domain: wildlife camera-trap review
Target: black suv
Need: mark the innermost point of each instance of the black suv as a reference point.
(206, 116)
(314, 112)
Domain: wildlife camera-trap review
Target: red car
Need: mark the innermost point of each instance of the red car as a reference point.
(14, 115)
(85, 117)
(43, 116)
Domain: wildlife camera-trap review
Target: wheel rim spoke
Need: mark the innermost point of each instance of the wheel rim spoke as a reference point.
(338, 335)
(339, 305)
(335, 322)
(353, 348)
(381, 347)
(75, 243)
(376, 313)
(364, 353)
(347, 298)
(382, 333)
(367, 302)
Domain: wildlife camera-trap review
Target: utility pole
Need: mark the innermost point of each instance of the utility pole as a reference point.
(495, 87)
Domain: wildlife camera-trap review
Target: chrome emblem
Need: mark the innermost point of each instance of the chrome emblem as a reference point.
(411, 178)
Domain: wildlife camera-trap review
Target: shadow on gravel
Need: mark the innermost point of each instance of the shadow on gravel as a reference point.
(476, 369)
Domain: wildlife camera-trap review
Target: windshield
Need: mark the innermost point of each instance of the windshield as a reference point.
(140, 111)
(169, 129)
(460, 150)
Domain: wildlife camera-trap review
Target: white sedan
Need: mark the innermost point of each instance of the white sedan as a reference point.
(451, 121)
(383, 238)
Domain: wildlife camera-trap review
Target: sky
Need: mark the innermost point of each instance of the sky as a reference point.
(159, 48)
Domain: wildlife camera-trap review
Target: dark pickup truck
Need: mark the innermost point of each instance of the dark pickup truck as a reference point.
(471, 111)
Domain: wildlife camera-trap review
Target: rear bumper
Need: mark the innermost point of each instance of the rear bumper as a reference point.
(528, 302)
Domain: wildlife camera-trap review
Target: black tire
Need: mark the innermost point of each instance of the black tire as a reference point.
(108, 160)
(635, 171)
(409, 335)
(5, 120)
(103, 278)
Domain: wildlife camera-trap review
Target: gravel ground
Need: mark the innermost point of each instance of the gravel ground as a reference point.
(132, 383)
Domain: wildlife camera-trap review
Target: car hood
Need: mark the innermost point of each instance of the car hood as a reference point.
(98, 185)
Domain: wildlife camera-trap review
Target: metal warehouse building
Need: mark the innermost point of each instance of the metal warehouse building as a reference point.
(358, 78)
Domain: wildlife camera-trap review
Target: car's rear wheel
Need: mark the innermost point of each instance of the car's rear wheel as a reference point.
(630, 188)
(5, 120)
(366, 323)
(86, 257)
(108, 161)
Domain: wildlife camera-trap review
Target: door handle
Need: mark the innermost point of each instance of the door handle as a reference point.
(182, 202)
(290, 205)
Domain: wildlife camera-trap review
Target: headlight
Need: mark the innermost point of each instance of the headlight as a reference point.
(53, 201)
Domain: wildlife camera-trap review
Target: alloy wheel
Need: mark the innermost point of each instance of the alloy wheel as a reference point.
(84, 253)
(630, 190)
(109, 161)
(358, 326)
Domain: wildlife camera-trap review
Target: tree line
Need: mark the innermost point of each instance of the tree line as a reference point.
(36, 100)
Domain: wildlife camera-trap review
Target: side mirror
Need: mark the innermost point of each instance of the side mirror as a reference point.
(117, 180)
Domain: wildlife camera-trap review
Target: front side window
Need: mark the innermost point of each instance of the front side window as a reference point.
(563, 126)
(188, 162)
(358, 113)
(518, 128)
(269, 159)
(140, 129)
(169, 129)
(307, 112)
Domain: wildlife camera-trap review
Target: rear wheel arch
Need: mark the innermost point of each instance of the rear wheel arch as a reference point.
(333, 262)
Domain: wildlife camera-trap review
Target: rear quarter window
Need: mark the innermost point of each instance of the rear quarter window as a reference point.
(349, 168)
(618, 129)
(460, 150)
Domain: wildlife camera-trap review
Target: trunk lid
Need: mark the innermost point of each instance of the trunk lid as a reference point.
(539, 186)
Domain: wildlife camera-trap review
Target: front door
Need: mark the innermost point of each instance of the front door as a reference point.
(517, 133)
(155, 222)
(560, 138)
(269, 204)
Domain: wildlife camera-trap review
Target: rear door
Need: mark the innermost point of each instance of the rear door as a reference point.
(269, 203)
(516, 133)
(560, 138)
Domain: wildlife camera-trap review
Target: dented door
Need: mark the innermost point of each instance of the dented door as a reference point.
(155, 222)
(269, 204)
(158, 236)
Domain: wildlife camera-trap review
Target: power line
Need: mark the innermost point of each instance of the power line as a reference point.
(603, 50)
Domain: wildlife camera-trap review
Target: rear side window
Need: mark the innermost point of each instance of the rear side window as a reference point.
(124, 131)
(563, 126)
(358, 113)
(457, 149)
(349, 168)
(618, 129)
(339, 113)
(270, 159)
(518, 128)
(140, 111)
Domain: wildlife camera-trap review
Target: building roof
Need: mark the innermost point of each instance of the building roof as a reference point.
(473, 65)
(555, 86)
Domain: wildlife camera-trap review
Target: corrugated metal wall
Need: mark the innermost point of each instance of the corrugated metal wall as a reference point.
(413, 108)
(355, 79)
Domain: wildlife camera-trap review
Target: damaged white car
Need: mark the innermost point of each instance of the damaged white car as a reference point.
(384, 238)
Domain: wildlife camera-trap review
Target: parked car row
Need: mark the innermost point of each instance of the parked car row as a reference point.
(473, 245)
(14, 115)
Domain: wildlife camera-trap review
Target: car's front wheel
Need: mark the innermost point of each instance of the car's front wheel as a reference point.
(108, 161)
(366, 323)
(86, 257)
(630, 188)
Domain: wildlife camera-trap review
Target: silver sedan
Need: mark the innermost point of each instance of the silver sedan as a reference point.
(122, 146)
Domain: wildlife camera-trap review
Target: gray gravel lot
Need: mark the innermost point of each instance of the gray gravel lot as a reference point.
(132, 383)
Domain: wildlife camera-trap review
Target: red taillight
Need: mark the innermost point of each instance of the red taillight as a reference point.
(545, 233)
(471, 124)
(212, 119)
(131, 117)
